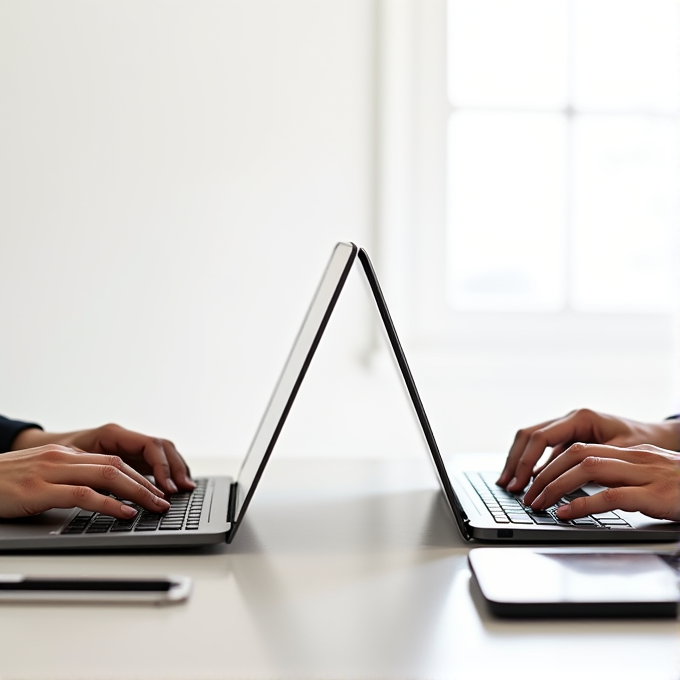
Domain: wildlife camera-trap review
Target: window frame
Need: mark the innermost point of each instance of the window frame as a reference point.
(412, 117)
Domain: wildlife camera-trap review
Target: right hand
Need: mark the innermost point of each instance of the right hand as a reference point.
(35, 480)
(584, 426)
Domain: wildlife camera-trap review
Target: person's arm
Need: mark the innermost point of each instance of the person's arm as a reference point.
(583, 426)
(9, 429)
(639, 479)
(146, 454)
(52, 476)
(638, 462)
(44, 470)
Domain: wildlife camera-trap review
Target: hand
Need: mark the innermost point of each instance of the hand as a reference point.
(148, 455)
(46, 477)
(583, 425)
(641, 478)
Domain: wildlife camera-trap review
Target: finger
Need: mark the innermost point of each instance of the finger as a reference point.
(117, 462)
(573, 456)
(631, 499)
(516, 450)
(156, 457)
(557, 451)
(72, 496)
(111, 478)
(556, 433)
(133, 444)
(178, 467)
(606, 471)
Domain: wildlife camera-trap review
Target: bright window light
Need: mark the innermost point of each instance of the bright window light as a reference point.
(563, 147)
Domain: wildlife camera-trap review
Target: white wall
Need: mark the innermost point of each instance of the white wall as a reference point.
(173, 176)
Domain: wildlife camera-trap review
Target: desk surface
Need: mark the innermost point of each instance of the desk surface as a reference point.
(342, 569)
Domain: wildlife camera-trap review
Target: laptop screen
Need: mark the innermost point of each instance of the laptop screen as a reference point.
(291, 377)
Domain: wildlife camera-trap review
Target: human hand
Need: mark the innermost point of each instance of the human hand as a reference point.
(148, 455)
(38, 479)
(640, 478)
(582, 425)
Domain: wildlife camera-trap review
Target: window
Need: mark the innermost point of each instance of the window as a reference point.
(563, 182)
(529, 168)
(528, 185)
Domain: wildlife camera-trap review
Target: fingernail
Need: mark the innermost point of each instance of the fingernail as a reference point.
(538, 502)
(190, 482)
(513, 482)
(127, 510)
(564, 510)
(161, 501)
(171, 486)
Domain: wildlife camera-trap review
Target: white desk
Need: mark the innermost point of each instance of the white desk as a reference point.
(347, 569)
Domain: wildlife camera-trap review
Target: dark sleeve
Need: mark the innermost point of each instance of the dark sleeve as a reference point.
(674, 417)
(9, 429)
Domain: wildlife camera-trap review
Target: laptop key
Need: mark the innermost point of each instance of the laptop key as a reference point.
(575, 494)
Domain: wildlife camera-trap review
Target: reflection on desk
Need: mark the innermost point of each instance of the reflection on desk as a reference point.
(342, 569)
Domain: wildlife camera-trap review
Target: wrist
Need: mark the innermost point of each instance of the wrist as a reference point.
(31, 438)
(671, 427)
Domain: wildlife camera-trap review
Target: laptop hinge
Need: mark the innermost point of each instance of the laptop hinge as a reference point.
(462, 520)
(231, 509)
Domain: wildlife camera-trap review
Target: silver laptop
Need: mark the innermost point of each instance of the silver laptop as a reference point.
(486, 512)
(213, 512)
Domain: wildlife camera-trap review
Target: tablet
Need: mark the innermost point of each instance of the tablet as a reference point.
(574, 583)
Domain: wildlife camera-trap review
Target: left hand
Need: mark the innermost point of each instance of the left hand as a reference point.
(148, 455)
(640, 478)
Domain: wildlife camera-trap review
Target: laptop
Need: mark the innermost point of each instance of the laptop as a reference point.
(213, 512)
(486, 512)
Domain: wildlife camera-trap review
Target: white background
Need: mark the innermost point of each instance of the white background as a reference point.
(173, 176)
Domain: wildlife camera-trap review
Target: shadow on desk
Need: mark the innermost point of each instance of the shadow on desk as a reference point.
(362, 614)
(370, 523)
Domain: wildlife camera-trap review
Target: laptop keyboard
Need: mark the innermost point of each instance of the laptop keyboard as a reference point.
(507, 507)
(184, 513)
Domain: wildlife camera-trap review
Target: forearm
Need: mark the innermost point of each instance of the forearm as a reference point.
(10, 430)
(672, 426)
(33, 437)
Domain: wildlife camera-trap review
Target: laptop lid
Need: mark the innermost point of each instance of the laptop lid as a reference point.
(400, 357)
(295, 368)
(290, 380)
